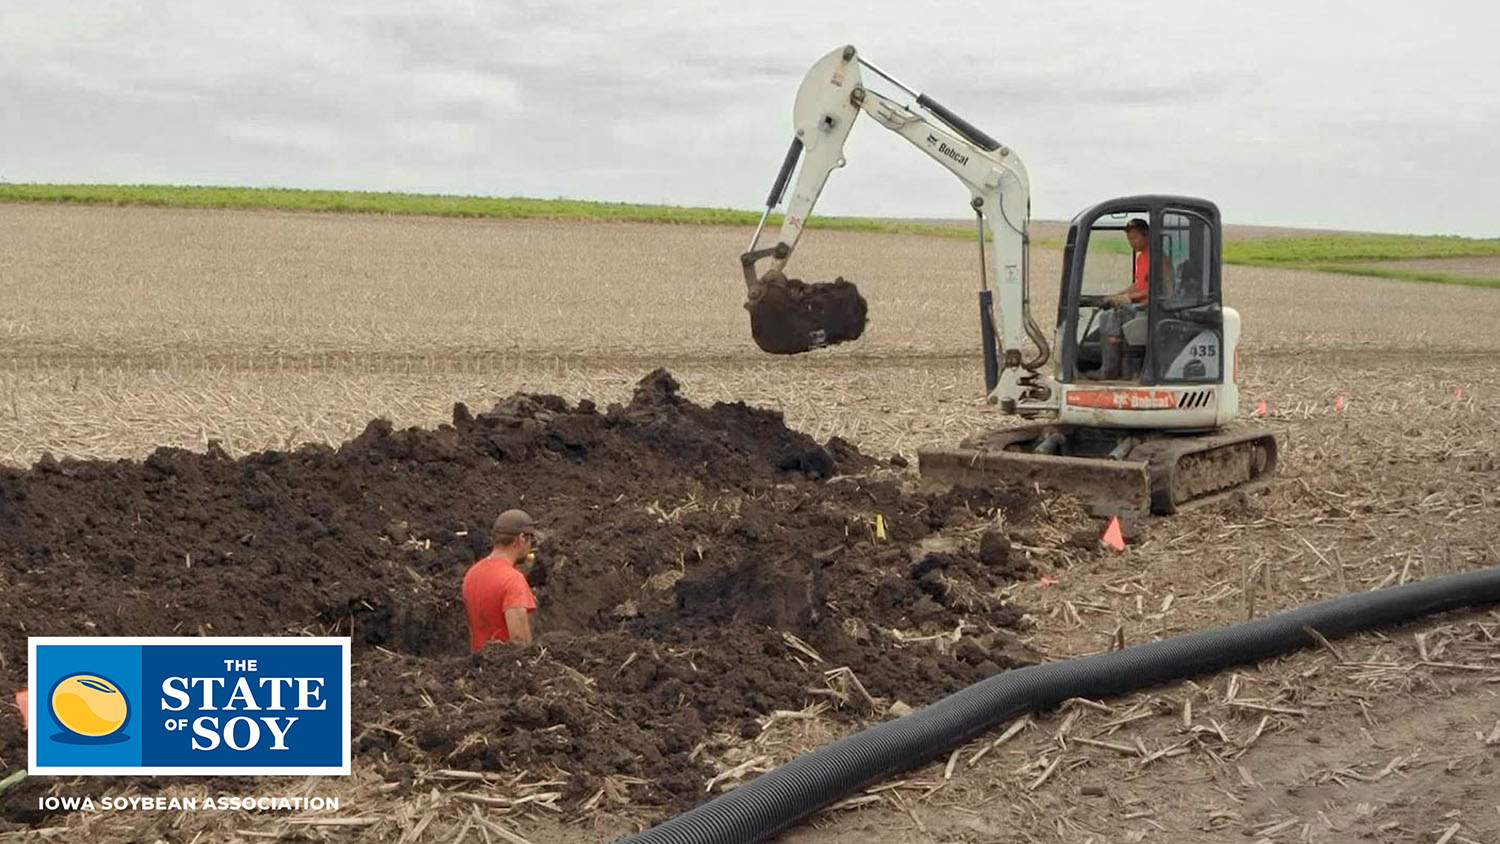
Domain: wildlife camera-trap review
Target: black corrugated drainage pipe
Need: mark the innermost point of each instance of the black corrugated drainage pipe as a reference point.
(785, 795)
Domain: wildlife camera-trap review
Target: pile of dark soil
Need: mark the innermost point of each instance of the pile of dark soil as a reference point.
(680, 545)
(789, 316)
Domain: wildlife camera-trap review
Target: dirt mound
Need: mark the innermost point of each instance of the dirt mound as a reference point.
(696, 563)
(789, 316)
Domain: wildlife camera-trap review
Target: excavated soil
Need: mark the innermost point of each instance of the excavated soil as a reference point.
(690, 559)
(789, 316)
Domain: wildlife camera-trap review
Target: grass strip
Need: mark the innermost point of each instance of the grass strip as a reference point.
(1394, 274)
(439, 205)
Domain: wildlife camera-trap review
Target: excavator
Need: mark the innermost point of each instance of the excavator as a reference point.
(1135, 413)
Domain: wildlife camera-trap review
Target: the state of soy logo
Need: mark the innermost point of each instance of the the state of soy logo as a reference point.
(167, 705)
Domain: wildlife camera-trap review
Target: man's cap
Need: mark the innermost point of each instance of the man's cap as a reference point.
(515, 521)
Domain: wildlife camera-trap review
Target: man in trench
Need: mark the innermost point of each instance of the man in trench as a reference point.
(496, 595)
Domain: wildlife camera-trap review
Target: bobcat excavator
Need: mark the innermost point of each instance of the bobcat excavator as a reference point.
(1142, 432)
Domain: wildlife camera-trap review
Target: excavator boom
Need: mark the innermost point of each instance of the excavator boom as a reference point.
(832, 95)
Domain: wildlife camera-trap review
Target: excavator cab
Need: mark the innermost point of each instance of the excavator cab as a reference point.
(1177, 335)
(1149, 434)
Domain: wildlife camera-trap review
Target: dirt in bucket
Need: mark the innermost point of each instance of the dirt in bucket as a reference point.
(789, 316)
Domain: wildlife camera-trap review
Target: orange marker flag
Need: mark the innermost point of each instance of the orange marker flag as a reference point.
(1260, 409)
(1458, 393)
(1338, 403)
(1113, 536)
(23, 698)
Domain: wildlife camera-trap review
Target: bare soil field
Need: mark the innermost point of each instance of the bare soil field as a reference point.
(126, 329)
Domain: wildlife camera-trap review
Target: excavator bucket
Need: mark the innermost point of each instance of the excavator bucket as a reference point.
(789, 316)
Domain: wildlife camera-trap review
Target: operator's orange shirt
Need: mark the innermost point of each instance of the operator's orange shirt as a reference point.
(492, 586)
(1142, 264)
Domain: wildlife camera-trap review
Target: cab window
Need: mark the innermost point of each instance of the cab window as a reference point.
(1108, 265)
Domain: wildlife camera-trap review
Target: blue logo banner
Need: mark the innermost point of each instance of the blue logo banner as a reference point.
(150, 706)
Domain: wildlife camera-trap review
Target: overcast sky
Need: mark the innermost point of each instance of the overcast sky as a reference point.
(1359, 115)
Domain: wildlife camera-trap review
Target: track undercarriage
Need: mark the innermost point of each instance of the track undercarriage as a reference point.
(1115, 472)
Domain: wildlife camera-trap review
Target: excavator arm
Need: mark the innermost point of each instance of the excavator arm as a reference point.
(831, 97)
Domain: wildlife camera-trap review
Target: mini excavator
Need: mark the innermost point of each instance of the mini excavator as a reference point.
(1133, 418)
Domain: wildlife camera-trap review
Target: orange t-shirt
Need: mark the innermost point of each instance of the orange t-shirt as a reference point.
(1142, 263)
(492, 586)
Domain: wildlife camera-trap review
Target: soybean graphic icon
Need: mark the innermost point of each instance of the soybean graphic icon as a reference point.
(89, 705)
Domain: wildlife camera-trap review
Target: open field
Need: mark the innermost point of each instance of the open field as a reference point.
(123, 329)
(129, 328)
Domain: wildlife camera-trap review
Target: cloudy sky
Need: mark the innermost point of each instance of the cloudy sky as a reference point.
(1359, 115)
